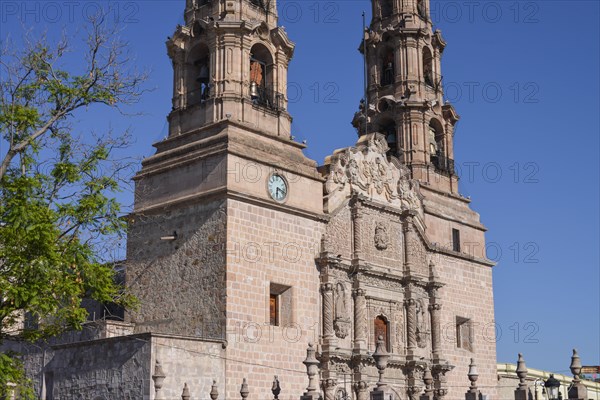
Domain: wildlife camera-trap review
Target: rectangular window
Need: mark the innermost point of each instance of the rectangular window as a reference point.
(274, 309)
(280, 305)
(456, 240)
(464, 333)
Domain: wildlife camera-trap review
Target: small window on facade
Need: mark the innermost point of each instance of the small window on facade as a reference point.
(464, 333)
(280, 305)
(456, 240)
(381, 329)
(274, 309)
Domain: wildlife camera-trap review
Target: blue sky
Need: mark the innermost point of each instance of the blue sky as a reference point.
(524, 76)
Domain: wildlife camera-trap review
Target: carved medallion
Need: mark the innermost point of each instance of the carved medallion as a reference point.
(382, 238)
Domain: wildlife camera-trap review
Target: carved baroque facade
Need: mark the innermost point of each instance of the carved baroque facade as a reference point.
(339, 255)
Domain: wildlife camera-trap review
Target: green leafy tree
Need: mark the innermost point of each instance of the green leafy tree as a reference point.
(58, 215)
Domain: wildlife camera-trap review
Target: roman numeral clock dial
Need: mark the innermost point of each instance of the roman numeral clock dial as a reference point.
(277, 187)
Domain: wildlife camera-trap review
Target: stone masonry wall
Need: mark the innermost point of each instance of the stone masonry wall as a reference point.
(179, 283)
(116, 368)
(269, 246)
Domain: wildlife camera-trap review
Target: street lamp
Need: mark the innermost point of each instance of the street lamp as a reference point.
(552, 386)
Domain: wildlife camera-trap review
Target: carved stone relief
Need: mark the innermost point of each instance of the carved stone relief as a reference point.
(365, 169)
(382, 238)
(342, 321)
(422, 325)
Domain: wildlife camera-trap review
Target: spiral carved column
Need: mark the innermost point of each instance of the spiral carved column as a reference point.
(356, 225)
(327, 294)
(411, 324)
(360, 320)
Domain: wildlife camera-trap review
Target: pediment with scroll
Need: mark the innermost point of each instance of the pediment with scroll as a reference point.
(365, 169)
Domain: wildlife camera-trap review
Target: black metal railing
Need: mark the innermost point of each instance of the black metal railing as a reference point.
(268, 98)
(443, 164)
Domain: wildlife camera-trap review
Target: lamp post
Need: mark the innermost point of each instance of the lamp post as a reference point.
(552, 386)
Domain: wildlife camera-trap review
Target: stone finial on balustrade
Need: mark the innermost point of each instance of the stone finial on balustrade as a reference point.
(577, 390)
(428, 381)
(381, 357)
(244, 392)
(214, 393)
(276, 388)
(312, 370)
(522, 391)
(473, 392)
(185, 395)
(158, 377)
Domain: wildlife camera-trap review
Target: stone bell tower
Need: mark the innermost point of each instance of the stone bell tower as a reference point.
(405, 93)
(229, 212)
(222, 72)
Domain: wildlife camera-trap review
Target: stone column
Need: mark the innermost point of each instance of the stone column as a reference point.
(411, 325)
(357, 226)
(360, 320)
(410, 240)
(327, 295)
(434, 311)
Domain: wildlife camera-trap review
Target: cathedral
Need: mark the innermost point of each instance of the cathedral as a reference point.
(242, 251)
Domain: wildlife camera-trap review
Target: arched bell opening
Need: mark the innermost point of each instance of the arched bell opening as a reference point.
(422, 9)
(388, 67)
(262, 82)
(428, 75)
(198, 74)
(437, 148)
(387, 8)
(387, 127)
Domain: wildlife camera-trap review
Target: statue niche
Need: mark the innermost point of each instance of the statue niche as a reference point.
(422, 331)
(341, 323)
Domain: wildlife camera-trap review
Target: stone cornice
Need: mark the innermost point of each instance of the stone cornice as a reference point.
(276, 206)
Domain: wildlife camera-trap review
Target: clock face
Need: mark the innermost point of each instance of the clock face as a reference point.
(278, 188)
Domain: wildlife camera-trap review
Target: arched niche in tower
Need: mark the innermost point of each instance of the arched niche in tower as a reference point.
(198, 74)
(428, 75)
(262, 73)
(388, 67)
(422, 9)
(386, 8)
(381, 328)
(437, 151)
(387, 127)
